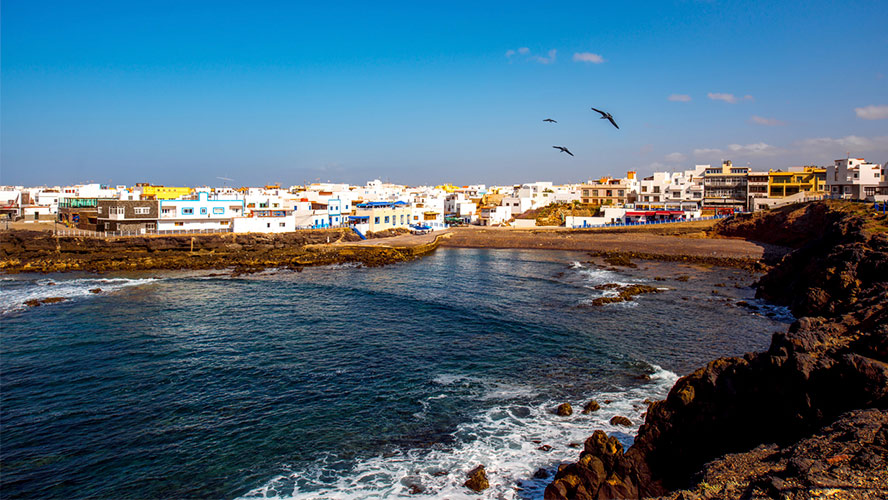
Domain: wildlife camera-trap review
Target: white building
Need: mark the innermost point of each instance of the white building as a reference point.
(856, 179)
(270, 221)
(200, 213)
(494, 216)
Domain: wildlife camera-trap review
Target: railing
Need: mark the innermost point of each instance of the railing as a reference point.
(649, 223)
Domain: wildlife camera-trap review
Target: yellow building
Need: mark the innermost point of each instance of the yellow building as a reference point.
(164, 193)
(797, 180)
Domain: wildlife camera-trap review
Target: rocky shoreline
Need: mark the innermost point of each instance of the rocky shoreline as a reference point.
(805, 419)
(38, 251)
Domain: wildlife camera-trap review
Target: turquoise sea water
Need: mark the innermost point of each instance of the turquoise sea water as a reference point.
(343, 382)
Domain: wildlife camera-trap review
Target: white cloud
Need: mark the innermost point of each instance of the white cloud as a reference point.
(524, 51)
(872, 112)
(748, 97)
(757, 149)
(771, 122)
(717, 96)
(680, 98)
(850, 143)
(707, 152)
(510, 53)
(548, 59)
(675, 157)
(588, 57)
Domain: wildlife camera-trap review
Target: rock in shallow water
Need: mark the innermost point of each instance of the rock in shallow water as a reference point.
(564, 410)
(477, 479)
(620, 420)
(590, 407)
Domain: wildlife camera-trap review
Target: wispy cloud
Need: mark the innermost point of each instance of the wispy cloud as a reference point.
(549, 58)
(707, 152)
(770, 122)
(872, 112)
(675, 157)
(520, 51)
(588, 57)
(680, 98)
(852, 143)
(748, 97)
(718, 96)
(757, 149)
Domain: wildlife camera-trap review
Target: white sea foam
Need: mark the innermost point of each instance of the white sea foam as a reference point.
(15, 295)
(506, 439)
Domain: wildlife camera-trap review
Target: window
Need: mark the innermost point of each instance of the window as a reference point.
(100, 210)
(386, 219)
(376, 220)
(187, 211)
(223, 222)
(218, 210)
(141, 210)
(179, 223)
(282, 224)
(269, 224)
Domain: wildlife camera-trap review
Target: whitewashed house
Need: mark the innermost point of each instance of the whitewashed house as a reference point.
(200, 213)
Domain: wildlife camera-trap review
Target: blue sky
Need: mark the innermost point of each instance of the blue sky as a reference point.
(178, 92)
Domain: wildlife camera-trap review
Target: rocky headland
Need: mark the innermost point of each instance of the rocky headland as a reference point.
(808, 418)
(41, 251)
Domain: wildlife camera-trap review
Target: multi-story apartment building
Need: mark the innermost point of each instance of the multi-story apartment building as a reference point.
(855, 179)
(605, 191)
(127, 215)
(757, 191)
(198, 213)
(725, 187)
(796, 180)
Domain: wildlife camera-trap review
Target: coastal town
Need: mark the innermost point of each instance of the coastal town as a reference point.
(704, 191)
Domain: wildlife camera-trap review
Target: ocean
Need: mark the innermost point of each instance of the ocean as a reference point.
(345, 382)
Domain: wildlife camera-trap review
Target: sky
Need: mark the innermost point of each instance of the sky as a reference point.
(183, 93)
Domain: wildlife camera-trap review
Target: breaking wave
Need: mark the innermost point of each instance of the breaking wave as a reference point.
(519, 442)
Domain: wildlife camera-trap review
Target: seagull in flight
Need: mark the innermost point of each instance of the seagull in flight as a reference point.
(607, 116)
(550, 120)
(563, 149)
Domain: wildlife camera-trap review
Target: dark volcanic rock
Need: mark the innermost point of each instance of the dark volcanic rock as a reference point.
(477, 479)
(564, 410)
(590, 407)
(831, 362)
(619, 420)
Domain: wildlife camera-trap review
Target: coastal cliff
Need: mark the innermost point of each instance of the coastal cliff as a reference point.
(810, 414)
(38, 251)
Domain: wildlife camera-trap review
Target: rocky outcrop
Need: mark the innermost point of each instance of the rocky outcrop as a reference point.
(833, 361)
(847, 458)
(23, 251)
(624, 293)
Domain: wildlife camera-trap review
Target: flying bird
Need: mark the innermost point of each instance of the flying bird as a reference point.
(607, 116)
(563, 149)
(550, 120)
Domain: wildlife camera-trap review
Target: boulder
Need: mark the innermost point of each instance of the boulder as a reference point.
(590, 407)
(620, 420)
(477, 479)
(564, 410)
